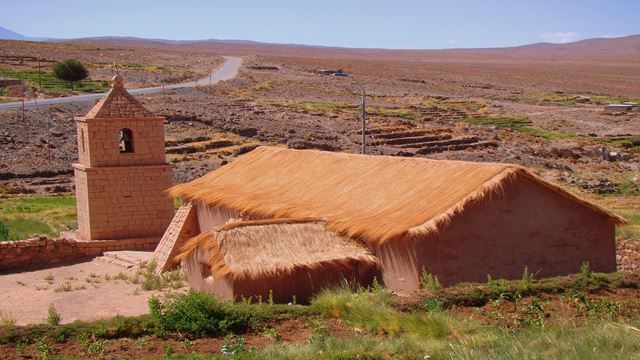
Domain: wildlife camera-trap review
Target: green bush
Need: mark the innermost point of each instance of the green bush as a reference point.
(198, 314)
(53, 316)
(4, 232)
(70, 70)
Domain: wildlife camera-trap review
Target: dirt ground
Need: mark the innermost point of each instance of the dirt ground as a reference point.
(96, 291)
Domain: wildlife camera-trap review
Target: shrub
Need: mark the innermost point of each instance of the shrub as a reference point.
(429, 281)
(70, 70)
(53, 316)
(4, 232)
(198, 314)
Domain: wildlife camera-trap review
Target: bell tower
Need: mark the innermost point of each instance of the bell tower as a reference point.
(122, 173)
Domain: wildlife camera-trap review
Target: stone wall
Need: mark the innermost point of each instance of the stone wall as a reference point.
(123, 202)
(101, 139)
(42, 252)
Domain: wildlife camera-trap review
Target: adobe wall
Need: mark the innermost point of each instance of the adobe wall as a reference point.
(303, 284)
(123, 202)
(101, 139)
(526, 225)
(183, 227)
(43, 252)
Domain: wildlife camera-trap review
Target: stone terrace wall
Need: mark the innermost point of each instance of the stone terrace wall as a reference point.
(43, 252)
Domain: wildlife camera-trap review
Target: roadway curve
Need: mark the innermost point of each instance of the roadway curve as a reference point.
(227, 71)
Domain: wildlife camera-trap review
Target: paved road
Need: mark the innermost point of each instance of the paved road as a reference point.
(227, 71)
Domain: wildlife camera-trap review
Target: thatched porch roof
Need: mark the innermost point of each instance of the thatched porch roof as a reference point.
(260, 249)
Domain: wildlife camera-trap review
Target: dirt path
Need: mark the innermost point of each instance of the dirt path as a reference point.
(94, 293)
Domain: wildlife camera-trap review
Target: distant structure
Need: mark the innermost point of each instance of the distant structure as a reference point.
(122, 173)
(624, 107)
(284, 222)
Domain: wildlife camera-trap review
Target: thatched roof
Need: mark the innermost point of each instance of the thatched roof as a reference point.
(274, 248)
(372, 198)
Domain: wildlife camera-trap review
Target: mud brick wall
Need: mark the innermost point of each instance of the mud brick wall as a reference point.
(101, 140)
(183, 227)
(123, 202)
(43, 252)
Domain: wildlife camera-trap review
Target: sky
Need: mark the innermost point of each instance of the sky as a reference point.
(400, 24)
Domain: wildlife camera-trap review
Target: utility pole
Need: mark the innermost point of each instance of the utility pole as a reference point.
(209, 80)
(39, 76)
(363, 115)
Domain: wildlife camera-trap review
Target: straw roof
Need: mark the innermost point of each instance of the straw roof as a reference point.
(372, 198)
(259, 249)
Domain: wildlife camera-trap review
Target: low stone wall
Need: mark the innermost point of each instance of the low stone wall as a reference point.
(43, 252)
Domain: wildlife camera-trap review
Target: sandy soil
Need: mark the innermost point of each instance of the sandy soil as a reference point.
(25, 297)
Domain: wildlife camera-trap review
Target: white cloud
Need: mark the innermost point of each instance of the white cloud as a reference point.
(560, 37)
(609, 36)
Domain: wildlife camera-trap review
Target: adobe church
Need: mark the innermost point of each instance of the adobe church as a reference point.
(122, 174)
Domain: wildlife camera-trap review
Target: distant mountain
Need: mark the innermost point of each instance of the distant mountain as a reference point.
(6, 34)
(624, 49)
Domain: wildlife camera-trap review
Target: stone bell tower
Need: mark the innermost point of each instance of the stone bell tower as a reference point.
(122, 174)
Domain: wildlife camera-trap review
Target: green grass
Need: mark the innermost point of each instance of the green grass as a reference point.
(138, 66)
(28, 217)
(606, 99)
(632, 142)
(52, 84)
(315, 105)
(631, 231)
(374, 328)
(401, 113)
(518, 123)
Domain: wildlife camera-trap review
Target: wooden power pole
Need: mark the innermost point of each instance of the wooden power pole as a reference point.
(363, 115)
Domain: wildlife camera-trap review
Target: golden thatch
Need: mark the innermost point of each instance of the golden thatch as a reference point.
(372, 198)
(257, 249)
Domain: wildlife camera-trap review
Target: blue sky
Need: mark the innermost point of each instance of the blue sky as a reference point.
(358, 23)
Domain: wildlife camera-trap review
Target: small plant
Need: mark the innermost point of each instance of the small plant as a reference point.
(64, 287)
(433, 304)
(187, 343)
(535, 313)
(496, 287)
(21, 348)
(6, 320)
(234, 346)
(429, 281)
(168, 351)
(527, 279)
(270, 297)
(49, 279)
(585, 270)
(272, 334)
(4, 232)
(96, 348)
(21, 283)
(43, 347)
(53, 316)
(148, 280)
(120, 276)
(141, 343)
(318, 333)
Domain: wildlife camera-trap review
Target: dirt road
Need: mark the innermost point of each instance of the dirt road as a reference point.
(227, 71)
